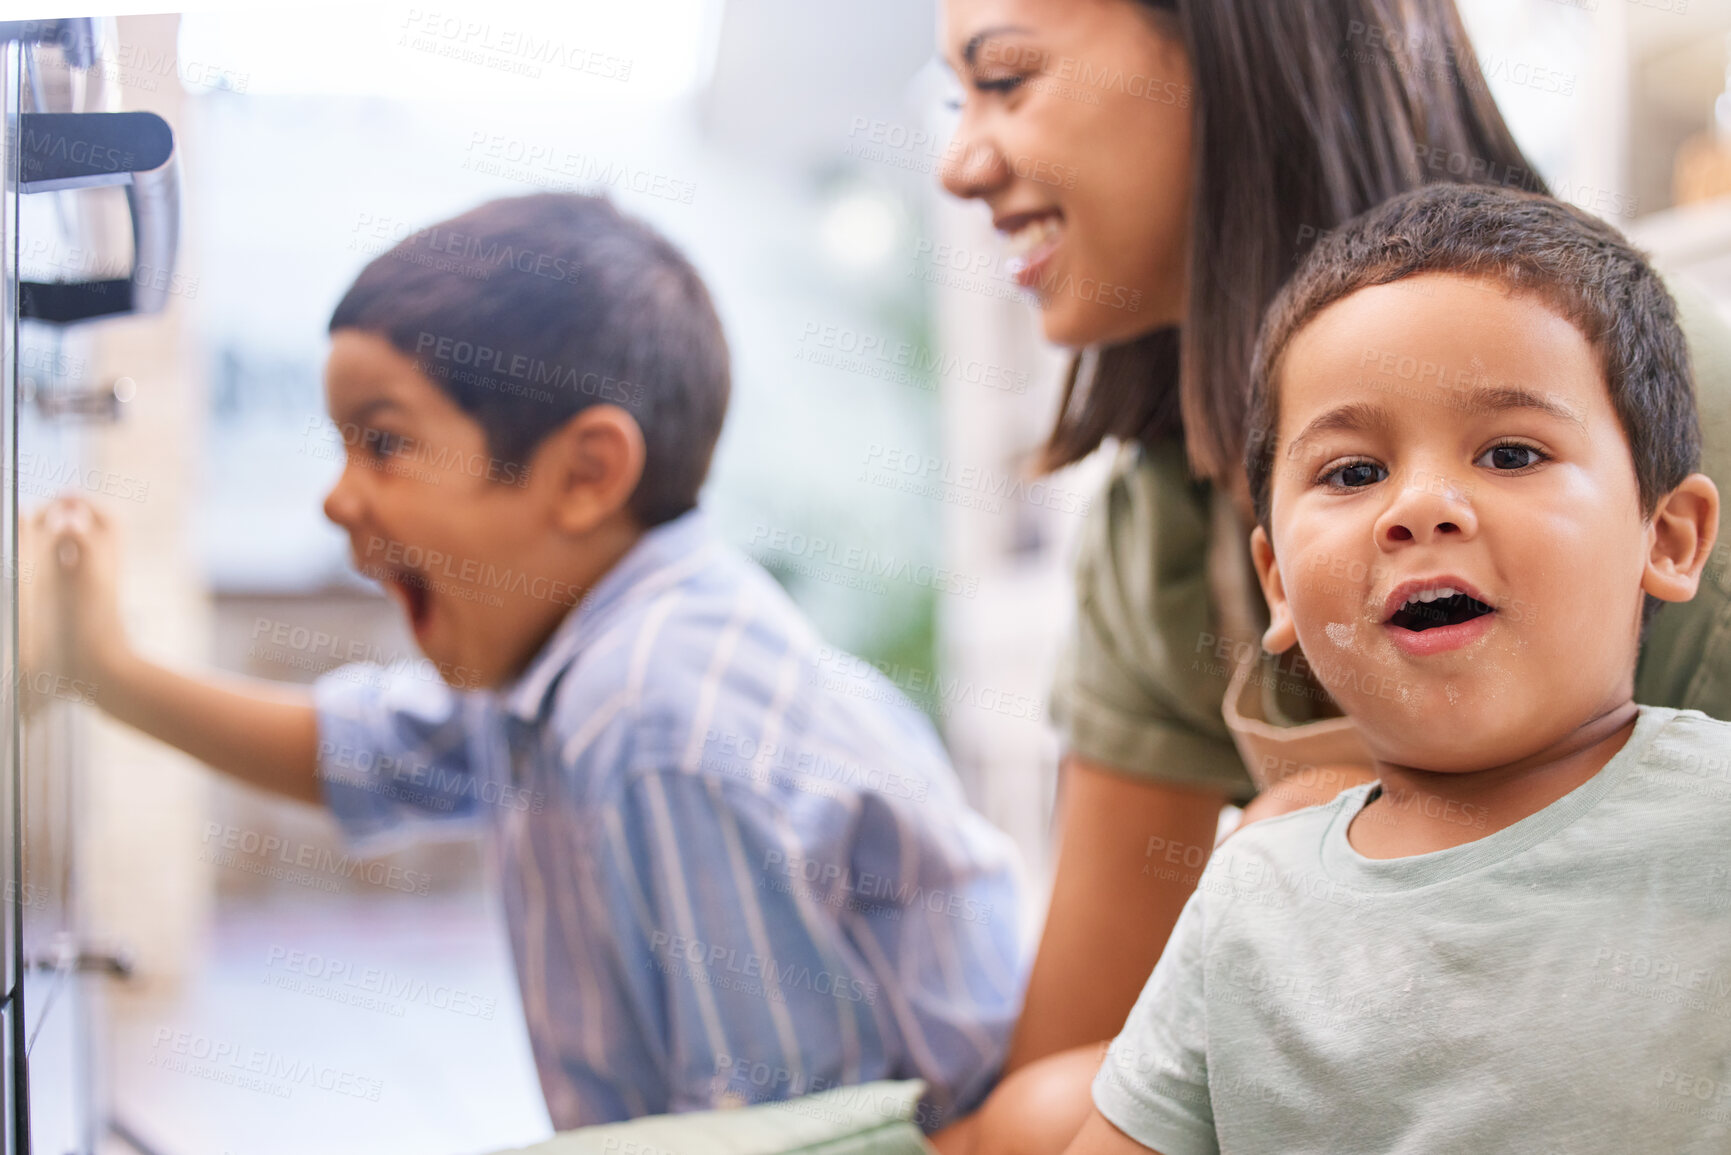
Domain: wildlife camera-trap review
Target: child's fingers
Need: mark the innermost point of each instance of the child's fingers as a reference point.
(94, 516)
(75, 513)
(39, 534)
(71, 523)
(64, 532)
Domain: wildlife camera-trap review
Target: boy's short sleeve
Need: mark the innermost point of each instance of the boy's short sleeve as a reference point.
(397, 749)
(1153, 1085)
(1139, 684)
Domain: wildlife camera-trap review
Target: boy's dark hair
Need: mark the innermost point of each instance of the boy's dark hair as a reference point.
(527, 310)
(1577, 264)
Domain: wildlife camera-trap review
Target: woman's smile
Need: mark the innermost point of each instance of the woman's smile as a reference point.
(1089, 175)
(1032, 239)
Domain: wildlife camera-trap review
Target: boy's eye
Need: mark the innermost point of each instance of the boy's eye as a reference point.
(384, 444)
(1511, 456)
(1355, 475)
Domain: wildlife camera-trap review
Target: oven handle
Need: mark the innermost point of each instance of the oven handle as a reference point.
(73, 150)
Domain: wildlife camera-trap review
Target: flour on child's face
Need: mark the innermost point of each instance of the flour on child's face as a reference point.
(1339, 633)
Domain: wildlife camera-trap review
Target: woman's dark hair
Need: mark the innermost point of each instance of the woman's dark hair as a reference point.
(1308, 112)
(527, 310)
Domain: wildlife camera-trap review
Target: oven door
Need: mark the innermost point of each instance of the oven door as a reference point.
(13, 1078)
(64, 142)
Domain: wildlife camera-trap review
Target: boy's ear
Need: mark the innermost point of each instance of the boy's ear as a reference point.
(1281, 634)
(593, 463)
(1680, 538)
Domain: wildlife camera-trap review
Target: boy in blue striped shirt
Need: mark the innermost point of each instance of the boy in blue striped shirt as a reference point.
(724, 881)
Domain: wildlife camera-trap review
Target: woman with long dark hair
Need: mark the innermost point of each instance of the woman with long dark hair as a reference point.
(1212, 142)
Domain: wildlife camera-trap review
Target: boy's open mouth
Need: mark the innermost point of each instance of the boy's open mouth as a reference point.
(1429, 609)
(413, 587)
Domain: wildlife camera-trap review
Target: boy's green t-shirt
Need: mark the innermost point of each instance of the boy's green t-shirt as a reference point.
(1140, 683)
(1561, 984)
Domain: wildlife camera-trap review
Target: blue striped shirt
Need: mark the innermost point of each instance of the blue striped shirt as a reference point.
(730, 874)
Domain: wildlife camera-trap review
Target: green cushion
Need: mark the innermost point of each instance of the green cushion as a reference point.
(868, 1119)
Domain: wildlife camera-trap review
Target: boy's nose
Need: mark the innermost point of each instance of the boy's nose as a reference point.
(1424, 511)
(343, 503)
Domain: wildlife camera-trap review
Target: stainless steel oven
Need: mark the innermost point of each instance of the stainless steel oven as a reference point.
(67, 145)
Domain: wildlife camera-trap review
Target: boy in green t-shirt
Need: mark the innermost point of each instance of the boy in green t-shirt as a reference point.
(1472, 453)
